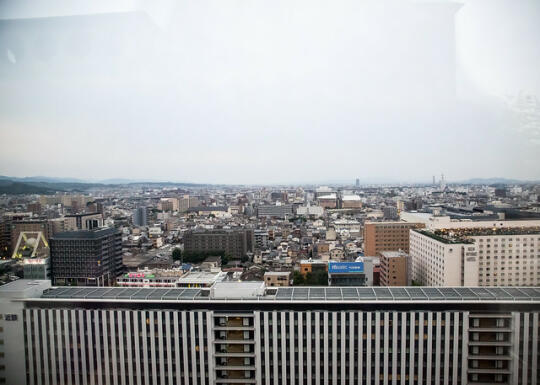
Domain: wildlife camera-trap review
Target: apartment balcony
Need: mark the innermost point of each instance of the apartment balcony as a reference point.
(488, 371)
(235, 354)
(490, 330)
(234, 361)
(235, 368)
(493, 357)
(227, 328)
(489, 343)
(225, 342)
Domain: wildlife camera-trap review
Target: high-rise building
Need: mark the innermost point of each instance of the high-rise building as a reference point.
(235, 243)
(387, 236)
(183, 203)
(481, 256)
(357, 182)
(394, 268)
(140, 216)
(86, 257)
(243, 333)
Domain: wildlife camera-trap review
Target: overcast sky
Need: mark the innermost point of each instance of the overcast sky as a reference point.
(283, 91)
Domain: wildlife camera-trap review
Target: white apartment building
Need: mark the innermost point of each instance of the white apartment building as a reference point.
(480, 256)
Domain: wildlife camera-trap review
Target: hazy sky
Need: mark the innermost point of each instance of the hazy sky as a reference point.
(279, 91)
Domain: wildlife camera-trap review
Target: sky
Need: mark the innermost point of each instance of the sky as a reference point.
(258, 91)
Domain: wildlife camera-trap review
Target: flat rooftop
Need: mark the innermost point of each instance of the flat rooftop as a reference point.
(297, 294)
(86, 234)
(464, 235)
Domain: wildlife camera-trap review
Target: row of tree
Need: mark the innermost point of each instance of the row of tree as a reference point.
(198, 256)
(317, 278)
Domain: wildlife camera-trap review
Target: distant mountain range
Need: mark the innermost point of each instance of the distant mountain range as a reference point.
(488, 181)
(50, 185)
(46, 179)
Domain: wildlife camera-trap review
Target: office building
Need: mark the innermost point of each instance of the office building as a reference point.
(387, 236)
(86, 257)
(275, 211)
(244, 333)
(140, 216)
(309, 210)
(394, 268)
(482, 256)
(235, 243)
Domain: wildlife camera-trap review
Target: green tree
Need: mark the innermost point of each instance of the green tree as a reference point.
(177, 254)
(298, 279)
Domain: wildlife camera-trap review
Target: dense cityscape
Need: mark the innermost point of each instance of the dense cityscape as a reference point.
(221, 192)
(461, 260)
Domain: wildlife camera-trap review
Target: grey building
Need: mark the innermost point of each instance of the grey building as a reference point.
(88, 257)
(244, 333)
(140, 216)
(234, 242)
(275, 211)
(261, 238)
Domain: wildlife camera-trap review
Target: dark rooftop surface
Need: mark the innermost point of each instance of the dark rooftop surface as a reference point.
(85, 234)
(303, 294)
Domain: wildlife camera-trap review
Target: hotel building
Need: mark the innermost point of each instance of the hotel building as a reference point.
(481, 256)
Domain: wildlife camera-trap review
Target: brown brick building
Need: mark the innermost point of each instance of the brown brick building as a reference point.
(394, 268)
(387, 236)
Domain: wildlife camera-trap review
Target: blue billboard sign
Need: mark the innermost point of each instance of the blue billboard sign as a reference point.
(346, 267)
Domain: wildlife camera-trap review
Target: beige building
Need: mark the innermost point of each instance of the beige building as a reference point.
(328, 201)
(393, 268)
(351, 202)
(169, 204)
(277, 278)
(82, 221)
(387, 236)
(482, 256)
